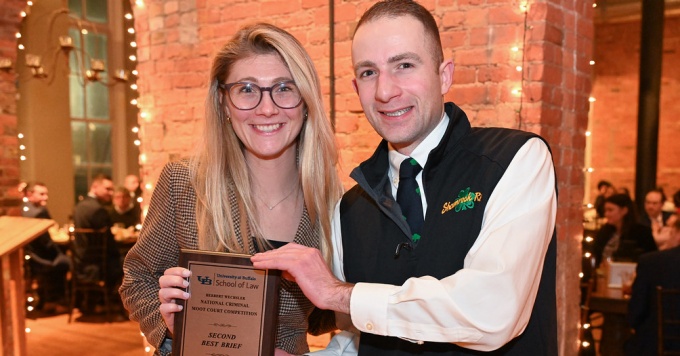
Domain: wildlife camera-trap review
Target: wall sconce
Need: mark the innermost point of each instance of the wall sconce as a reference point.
(5, 64)
(66, 43)
(39, 72)
(33, 60)
(92, 75)
(97, 65)
(121, 75)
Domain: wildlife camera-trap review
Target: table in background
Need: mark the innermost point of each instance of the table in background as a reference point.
(614, 307)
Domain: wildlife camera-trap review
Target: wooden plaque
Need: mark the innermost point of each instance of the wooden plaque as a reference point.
(232, 310)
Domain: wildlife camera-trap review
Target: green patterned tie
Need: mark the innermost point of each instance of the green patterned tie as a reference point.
(408, 197)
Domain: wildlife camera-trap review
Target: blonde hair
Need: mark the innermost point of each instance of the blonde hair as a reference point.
(220, 170)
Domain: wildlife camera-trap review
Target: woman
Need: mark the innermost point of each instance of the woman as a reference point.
(622, 238)
(265, 176)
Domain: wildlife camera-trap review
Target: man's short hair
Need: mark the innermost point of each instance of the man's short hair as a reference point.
(603, 183)
(99, 178)
(658, 190)
(29, 187)
(399, 8)
(122, 190)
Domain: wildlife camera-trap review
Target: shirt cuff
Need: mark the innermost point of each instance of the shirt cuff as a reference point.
(368, 307)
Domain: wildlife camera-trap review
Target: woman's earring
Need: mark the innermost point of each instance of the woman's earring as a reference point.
(306, 115)
(229, 120)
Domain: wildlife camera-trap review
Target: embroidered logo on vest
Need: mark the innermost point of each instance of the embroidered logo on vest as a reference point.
(466, 200)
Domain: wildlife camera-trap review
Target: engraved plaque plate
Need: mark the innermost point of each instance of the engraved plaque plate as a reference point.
(232, 310)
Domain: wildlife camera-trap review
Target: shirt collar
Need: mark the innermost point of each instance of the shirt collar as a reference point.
(421, 152)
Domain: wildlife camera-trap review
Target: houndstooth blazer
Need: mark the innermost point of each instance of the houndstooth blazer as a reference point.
(170, 225)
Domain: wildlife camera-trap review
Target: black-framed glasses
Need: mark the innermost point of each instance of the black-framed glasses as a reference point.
(247, 96)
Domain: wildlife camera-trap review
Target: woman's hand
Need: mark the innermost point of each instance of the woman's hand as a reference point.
(171, 281)
(279, 352)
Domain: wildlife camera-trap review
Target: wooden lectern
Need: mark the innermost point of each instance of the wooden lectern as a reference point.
(15, 232)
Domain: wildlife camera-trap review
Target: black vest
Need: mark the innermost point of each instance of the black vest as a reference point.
(459, 177)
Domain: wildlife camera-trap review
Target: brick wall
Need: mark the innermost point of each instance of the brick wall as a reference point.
(614, 115)
(9, 146)
(548, 96)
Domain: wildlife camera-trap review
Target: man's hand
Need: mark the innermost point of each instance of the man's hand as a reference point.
(171, 281)
(305, 266)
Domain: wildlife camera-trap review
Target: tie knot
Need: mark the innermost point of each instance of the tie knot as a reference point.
(409, 168)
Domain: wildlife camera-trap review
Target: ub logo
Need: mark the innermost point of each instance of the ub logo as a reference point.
(204, 280)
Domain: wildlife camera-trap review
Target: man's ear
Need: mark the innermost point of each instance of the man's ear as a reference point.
(446, 75)
(354, 85)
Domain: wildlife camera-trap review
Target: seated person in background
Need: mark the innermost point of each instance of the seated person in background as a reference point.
(90, 213)
(622, 238)
(605, 189)
(653, 269)
(48, 264)
(123, 210)
(653, 216)
(669, 236)
(133, 187)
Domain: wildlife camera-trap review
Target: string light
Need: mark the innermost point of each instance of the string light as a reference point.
(591, 99)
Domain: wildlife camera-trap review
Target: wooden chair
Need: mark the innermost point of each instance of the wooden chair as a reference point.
(668, 319)
(89, 253)
(587, 347)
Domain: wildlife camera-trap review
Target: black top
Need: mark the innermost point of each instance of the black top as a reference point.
(633, 242)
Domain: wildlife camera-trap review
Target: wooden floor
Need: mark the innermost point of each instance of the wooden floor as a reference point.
(54, 336)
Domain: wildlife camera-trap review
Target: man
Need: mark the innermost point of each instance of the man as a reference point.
(605, 190)
(479, 274)
(653, 269)
(91, 214)
(123, 210)
(48, 264)
(654, 216)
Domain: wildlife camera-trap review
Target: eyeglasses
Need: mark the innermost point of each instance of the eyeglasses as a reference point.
(247, 96)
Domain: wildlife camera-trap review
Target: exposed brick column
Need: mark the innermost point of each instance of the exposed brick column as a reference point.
(560, 43)
(10, 21)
